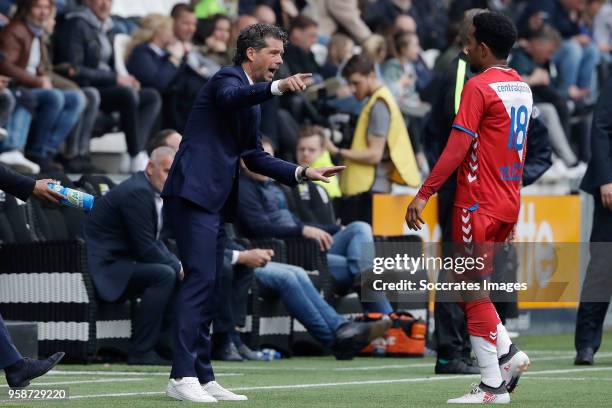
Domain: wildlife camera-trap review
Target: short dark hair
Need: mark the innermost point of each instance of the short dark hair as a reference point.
(159, 139)
(302, 22)
(358, 64)
(254, 36)
(310, 131)
(496, 31)
(545, 33)
(181, 8)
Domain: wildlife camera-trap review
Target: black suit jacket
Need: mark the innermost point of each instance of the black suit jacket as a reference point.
(599, 171)
(16, 184)
(123, 226)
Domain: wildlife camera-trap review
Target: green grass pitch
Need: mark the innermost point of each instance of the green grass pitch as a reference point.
(553, 381)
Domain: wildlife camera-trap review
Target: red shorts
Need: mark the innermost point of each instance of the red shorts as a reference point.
(474, 235)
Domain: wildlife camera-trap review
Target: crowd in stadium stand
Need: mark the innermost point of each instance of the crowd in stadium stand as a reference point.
(71, 71)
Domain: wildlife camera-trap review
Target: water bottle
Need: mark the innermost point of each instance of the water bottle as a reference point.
(74, 198)
(268, 354)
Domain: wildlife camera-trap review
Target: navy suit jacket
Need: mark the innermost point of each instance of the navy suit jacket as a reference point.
(599, 171)
(122, 226)
(222, 127)
(16, 184)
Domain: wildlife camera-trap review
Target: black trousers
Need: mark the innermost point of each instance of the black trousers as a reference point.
(597, 286)
(155, 285)
(138, 111)
(451, 336)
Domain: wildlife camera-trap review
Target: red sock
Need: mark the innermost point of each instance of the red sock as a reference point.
(482, 319)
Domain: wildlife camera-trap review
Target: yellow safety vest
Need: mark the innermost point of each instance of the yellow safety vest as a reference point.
(358, 177)
(333, 187)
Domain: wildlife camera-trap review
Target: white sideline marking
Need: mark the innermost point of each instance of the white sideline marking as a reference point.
(101, 380)
(135, 373)
(569, 370)
(573, 378)
(384, 367)
(339, 384)
(272, 367)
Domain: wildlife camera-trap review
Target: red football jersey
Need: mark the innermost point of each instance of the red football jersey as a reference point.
(489, 139)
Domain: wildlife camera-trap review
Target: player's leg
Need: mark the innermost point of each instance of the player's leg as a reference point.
(470, 231)
(512, 361)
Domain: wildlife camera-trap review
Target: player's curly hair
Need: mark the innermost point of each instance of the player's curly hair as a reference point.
(497, 31)
(254, 36)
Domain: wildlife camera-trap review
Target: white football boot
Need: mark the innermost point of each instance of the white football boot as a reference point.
(512, 366)
(483, 394)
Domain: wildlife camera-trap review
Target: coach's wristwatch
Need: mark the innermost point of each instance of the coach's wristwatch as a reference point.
(302, 177)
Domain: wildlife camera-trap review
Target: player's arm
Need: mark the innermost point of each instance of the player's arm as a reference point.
(462, 134)
(455, 151)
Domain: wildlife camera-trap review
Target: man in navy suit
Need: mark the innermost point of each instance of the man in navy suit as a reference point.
(597, 286)
(201, 192)
(17, 369)
(127, 257)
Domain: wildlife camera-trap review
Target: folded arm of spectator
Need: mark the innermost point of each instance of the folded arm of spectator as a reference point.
(73, 44)
(150, 69)
(254, 217)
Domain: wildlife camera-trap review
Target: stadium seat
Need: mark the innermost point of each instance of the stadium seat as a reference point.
(48, 283)
(14, 227)
(96, 185)
(44, 279)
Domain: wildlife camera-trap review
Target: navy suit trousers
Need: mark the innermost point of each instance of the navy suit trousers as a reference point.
(8, 353)
(201, 243)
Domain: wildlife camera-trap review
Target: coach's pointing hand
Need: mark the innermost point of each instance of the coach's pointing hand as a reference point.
(295, 83)
(323, 173)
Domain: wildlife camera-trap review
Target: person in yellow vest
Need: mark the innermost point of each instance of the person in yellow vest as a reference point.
(311, 152)
(381, 152)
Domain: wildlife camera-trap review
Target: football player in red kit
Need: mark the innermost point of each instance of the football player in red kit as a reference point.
(487, 145)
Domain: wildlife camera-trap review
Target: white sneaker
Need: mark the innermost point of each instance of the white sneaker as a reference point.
(3, 133)
(483, 394)
(213, 388)
(512, 366)
(139, 162)
(16, 158)
(188, 389)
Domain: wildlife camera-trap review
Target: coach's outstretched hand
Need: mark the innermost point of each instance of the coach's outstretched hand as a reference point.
(295, 83)
(413, 213)
(42, 191)
(323, 173)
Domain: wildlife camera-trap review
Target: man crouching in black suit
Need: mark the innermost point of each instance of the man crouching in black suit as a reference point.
(128, 259)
